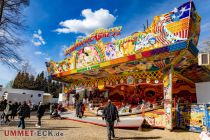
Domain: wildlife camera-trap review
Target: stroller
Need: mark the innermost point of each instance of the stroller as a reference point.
(55, 115)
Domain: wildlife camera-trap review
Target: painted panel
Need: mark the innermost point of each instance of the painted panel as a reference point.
(87, 56)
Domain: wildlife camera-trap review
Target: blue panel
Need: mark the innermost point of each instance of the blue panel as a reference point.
(193, 48)
(184, 10)
(207, 116)
(178, 46)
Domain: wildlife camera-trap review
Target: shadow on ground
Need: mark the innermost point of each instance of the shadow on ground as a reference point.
(30, 124)
(137, 138)
(178, 130)
(52, 128)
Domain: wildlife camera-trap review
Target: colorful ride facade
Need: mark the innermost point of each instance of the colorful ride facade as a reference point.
(163, 59)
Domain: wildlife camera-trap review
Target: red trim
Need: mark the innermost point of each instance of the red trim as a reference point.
(94, 123)
(146, 54)
(157, 126)
(131, 57)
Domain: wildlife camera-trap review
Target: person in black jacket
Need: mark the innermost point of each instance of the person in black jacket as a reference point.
(40, 113)
(28, 111)
(21, 111)
(14, 110)
(110, 114)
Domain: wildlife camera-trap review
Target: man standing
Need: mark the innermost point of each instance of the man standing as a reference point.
(110, 114)
(21, 111)
(40, 113)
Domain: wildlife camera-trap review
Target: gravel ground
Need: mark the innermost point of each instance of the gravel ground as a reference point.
(82, 131)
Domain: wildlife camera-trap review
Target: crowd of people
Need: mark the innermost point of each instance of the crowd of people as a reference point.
(11, 110)
(22, 110)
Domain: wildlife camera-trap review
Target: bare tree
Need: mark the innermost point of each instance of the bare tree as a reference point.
(205, 45)
(11, 24)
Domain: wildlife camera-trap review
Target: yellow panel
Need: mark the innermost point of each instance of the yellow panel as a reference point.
(73, 71)
(178, 26)
(104, 64)
(138, 55)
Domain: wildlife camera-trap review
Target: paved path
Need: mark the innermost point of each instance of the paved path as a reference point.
(125, 122)
(83, 131)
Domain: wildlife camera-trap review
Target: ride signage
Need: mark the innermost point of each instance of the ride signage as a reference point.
(96, 35)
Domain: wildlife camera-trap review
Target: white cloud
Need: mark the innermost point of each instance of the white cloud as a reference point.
(80, 37)
(47, 58)
(38, 53)
(38, 39)
(92, 20)
(39, 31)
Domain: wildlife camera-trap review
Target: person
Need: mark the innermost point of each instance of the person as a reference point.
(81, 109)
(28, 111)
(19, 104)
(90, 97)
(77, 108)
(55, 115)
(110, 114)
(52, 108)
(14, 110)
(21, 111)
(40, 114)
(76, 99)
(59, 108)
(3, 107)
(8, 112)
(4, 103)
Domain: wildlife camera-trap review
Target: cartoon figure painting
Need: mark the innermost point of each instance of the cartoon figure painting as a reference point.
(53, 67)
(119, 50)
(88, 56)
(70, 62)
(128, 48)
(110, 52)
(144, 41)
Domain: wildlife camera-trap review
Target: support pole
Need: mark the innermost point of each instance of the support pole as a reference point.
(167, 83)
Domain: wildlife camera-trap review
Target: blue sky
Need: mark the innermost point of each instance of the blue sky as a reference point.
(48, 23)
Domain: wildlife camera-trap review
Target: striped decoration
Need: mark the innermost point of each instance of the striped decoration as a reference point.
(182, 34)
(162, 38)
(160, 64)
